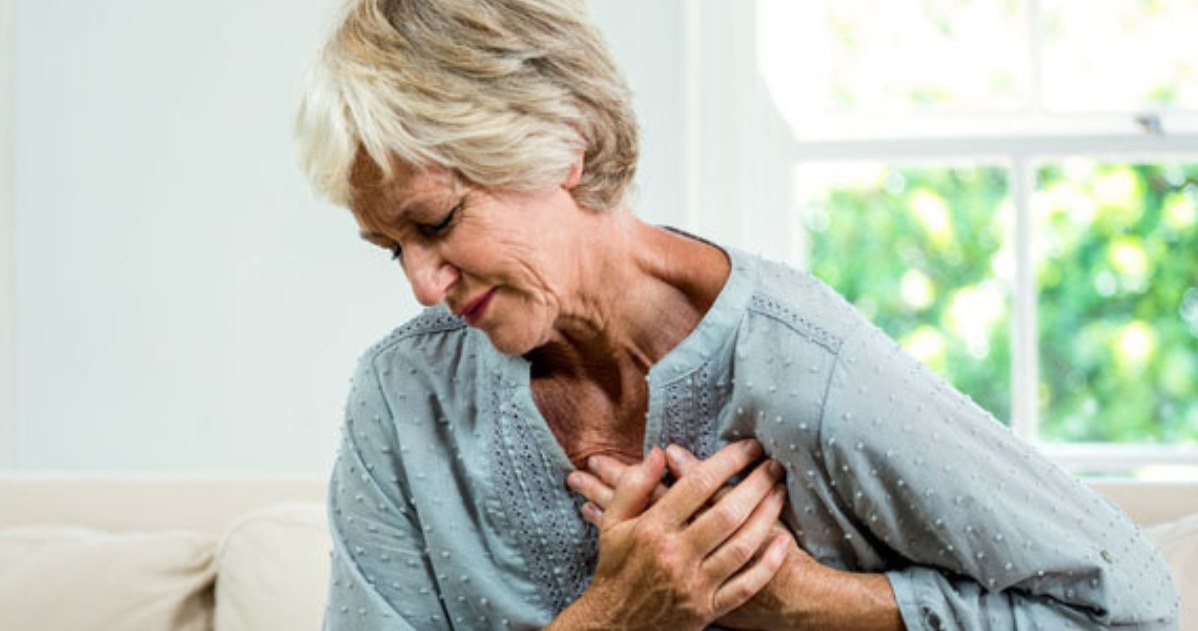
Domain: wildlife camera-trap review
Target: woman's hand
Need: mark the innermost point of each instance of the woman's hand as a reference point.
(767, 609)
(803, 594)
(684, 559)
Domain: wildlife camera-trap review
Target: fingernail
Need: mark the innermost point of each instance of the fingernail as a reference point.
(590, 511)
(592, 462)
(774, 468)
(572, 481)
(674, 453)
(751, 446)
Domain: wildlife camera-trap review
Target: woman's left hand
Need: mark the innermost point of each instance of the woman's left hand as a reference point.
(777, 606)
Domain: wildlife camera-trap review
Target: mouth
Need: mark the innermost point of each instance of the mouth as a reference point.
(474, 310)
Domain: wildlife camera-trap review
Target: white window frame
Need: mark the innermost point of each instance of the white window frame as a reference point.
(726, 108)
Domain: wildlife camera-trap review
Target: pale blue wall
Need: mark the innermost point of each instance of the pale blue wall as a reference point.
(181, 303)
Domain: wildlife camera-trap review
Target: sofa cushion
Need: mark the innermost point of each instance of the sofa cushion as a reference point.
(1178, 542)
(68, 578)
(274, 570)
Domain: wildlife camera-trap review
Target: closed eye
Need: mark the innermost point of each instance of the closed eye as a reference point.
(443, 225)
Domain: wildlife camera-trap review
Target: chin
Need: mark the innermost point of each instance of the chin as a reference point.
(521, 335)
(513, 343)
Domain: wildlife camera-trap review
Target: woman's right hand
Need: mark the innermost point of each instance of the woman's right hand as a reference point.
(680, 563)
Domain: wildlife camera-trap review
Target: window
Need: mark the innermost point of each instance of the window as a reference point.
(1024, 174)
(1118, 269)
(939, 268)
(862, 68)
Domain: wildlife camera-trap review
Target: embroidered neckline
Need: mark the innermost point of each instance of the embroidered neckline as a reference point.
(529, 466)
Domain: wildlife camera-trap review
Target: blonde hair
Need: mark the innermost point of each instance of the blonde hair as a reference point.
(504, 93)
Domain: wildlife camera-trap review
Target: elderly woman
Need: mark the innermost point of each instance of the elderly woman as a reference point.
(601, 424)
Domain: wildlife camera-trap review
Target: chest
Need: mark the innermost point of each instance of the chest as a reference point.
(587, 420)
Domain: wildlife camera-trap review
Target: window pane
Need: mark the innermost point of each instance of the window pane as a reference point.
(1116, 55)
(885, 58)
(1118, 302)
(921, 251)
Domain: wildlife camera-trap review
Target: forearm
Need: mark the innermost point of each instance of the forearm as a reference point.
(595, 611)
(577, 617)
(832, 599)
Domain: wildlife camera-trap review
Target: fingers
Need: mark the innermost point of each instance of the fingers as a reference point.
(719, 522)
(592, 513)
(607, 468)
(747, 542)
(597, 484)
(634, 490)
(730, 546)
(742, 587)
(609, 471)
(591, 487)
(680, 461)
(690, 493)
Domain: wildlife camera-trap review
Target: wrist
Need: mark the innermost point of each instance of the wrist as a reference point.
(584, 614)
(826, 598)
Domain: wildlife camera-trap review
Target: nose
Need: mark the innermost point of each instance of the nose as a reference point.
(430, 274)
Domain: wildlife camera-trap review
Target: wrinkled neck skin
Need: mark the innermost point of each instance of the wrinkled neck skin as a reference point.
(641, 290)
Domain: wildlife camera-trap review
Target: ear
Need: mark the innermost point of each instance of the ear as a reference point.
(575, 174)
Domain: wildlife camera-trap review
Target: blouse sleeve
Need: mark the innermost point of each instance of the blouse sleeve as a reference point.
(994, 536)
(380, 577)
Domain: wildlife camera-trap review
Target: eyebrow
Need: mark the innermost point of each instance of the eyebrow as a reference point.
(374, 237)
(404, 215)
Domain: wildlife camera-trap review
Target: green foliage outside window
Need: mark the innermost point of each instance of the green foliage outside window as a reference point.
(916, 250)
(1118, 311)
(924, 252)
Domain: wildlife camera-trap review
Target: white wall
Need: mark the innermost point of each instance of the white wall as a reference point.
(648, 42)
(181, 303)
(8, 424)
(739, 189)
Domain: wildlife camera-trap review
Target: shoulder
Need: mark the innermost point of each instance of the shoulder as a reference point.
(432, 337)
(409, 376)
(433, 322)
(793, 302)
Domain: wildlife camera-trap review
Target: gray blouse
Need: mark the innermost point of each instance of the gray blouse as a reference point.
(449, 510)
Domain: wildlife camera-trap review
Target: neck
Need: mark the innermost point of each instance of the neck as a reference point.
(642, 290)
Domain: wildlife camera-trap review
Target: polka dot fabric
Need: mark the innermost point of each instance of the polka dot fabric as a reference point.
(993, 535)
(449, 509)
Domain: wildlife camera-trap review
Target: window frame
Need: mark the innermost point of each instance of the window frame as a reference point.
(725, 90)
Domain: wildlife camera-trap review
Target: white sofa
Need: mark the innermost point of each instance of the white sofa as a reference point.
(162, 555)
(240, 555)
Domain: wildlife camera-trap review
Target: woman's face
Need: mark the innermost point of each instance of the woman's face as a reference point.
(503, 260)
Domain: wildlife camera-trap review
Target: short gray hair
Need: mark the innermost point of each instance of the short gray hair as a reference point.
(504, 93)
